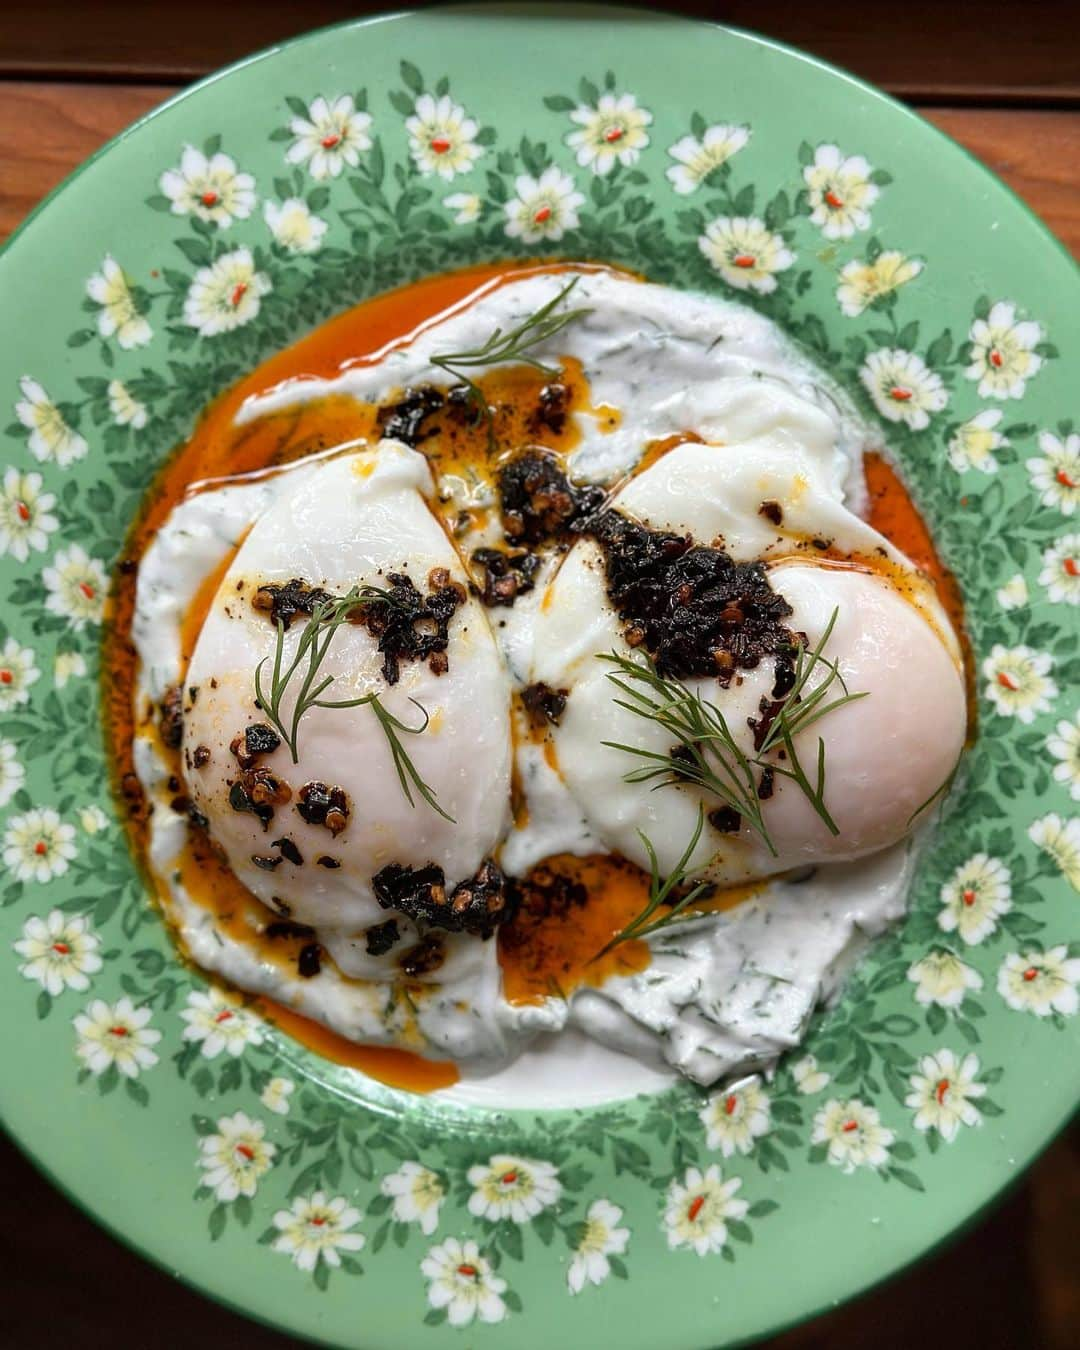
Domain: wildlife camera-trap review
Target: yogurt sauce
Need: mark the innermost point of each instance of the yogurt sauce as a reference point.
(725, 994)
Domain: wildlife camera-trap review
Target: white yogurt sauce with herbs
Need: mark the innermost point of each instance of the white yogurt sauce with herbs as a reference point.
(724, 994)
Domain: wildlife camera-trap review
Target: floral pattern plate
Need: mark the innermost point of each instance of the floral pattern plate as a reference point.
(227, 224)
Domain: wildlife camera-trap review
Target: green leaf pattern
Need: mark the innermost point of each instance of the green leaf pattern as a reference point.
(361, 202)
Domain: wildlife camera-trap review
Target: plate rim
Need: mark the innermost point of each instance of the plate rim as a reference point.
(552, 14)
(549, 9)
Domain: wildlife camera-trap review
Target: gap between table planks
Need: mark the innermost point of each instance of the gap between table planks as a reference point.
(963, 51)
(1037, 152)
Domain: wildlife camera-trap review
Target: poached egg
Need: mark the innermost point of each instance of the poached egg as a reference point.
(724, 993)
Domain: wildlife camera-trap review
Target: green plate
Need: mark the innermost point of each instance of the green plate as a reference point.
(301, 1193)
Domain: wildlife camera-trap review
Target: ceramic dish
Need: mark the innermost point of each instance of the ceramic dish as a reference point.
(368, 1216)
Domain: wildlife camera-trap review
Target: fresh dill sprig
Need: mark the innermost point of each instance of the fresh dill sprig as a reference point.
(660, 892)
(799, 710)
(706, 752)
(407, 771)
(515, 345)
(326, 618)
(940, 791)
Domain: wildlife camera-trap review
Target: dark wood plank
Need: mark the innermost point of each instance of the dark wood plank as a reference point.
(70, 122)
(967, 49)
(1036, 153)
(98, 1293)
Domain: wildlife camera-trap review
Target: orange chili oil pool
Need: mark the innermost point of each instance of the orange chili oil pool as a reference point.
(398, 1068)
(548, 949)
(554, 945)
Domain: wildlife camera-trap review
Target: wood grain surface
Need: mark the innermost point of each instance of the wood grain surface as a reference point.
(1036, 152)
(1001, 78)
(1002, 50)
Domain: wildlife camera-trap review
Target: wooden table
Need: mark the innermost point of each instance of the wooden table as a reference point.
(1004, 80)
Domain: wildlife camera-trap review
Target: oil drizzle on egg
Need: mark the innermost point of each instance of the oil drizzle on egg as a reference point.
(571, 908)
(395, 1068)
(239, 915)
(549, 949)
(894, 514)
(219, 451)
(196, 613)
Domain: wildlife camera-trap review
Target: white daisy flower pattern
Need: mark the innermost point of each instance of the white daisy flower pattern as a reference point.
(1018, 681)
(613, 132)
(1059, 839)
(508, 1187)
(975, 897)
(853, 1134)
(68, 666)
(317, 1229)
(294, 226)
(903, 387)
(734, 1120)
(217, 1025)
(698, 1207)
(38, 845)
(544, 207)
(809, 1079)
(1064, 745)
(1056, 476)
(51, 439)
(12, 772)
(840, 192)
(330, 138)
(92, 819)
(462, 1282)
(1003, 356)
(1061, 571)
(442, 137)
(118, 315)
(76, 586)
(212, 189)
(943, 1093)
(60, 952)
(973, 444)
(745, 252)
(25, 519)
(17, 674)
(125, 408)
(233, 1160)
(418, 1194)
(602, 1238)
(226, 295)
(275, 1095)
(1042, 983)
(942, 979)
(116, 1034)
(1014, 594)
(695, 159)
(861, 283)
(465, 207)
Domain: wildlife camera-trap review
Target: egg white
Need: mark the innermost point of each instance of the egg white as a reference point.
(886, 754)
(352, 521)
(722, 995)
